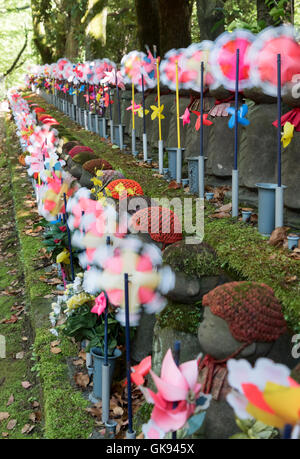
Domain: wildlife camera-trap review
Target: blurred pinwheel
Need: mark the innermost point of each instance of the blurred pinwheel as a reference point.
(134, 65)
(223, 59)
(147, 278)
(194, 55)
(53, 199)
(242, 112)
(168, 70)
(262, 58)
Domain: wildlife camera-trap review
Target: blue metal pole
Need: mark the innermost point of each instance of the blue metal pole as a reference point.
(176, 359)
(236, 109)
(143, 96)
(69, 238)
(128, 366)
(201, 109)
(279, 118)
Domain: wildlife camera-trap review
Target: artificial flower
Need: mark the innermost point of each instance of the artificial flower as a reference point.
(63, 257)
(186, 117)
(157, 112)
(266, 392)
(288, 134)
(100, 304)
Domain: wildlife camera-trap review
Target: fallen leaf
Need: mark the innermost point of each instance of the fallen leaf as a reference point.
(27, 428)
(225, 208)
(220, 215)
(55, 350)
(5, 434)
(26, 384)
(4, 415)
(55, 343)
(81, 379)
(10, 400)
(173, 185)
(20, 355)
(78, 362)
(278, 236)
(11, 424)
(118, 411)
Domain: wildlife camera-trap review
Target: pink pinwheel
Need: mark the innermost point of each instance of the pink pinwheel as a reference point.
(168, 69)
(100, 304)
(134, 65)
(147, 277)
(111, 78)
(262, 57)
(223, 59)
(175, 385)
(134, 108)
(186, 117)
(206, 122)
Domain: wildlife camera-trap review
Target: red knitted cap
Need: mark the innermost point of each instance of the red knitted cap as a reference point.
(251, 310)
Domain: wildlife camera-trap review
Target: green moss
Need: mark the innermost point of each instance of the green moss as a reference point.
(141, 417)
(181, 317)
(197, 260)
(64, 405)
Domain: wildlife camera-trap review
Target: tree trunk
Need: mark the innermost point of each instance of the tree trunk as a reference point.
(95, 31)
(148, 23)
(174, 24)
(263, 13)
(211, 19)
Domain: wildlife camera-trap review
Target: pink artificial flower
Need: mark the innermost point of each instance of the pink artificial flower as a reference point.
(175, 385)
(186, 117)
(100, 304)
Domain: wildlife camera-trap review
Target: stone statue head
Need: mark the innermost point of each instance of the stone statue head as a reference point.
(240, 315)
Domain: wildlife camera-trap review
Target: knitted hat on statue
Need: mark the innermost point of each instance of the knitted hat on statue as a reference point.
(250, 309)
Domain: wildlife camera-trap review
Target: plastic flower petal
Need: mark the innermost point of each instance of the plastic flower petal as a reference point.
(265, 392)
(157, 112)
(186, 117)
(100, 304)
(63, 257)
(288, 134)
(140, 371)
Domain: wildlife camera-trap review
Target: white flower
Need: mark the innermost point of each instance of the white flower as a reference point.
(54, 331)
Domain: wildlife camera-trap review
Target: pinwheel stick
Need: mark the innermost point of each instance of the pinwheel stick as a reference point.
(177, 108)
(201, 158)
(69, 238)
(105, 369)
(130, 433)
(160, 141)
(235, 172)
(279, 189)
(133, 139)
(145, 148)
(176, 359)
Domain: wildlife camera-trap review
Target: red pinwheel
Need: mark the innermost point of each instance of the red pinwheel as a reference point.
(263, 59)
(138, 372)
(206, 121)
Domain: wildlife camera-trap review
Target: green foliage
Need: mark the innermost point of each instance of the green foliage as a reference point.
(254, 430)
(181, 317)
(55, 238)
(83, 324)
(15, 17)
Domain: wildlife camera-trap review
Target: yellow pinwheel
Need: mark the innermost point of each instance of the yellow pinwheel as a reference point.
(157, 112)
(140, 112)
(287, 135)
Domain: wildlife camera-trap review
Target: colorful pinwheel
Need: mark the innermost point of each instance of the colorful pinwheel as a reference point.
(157, 112)
(266, 392)
(262, 58)
(288, 134)
(206, 122)
(223, 59)
(146, 277)
(242, 112)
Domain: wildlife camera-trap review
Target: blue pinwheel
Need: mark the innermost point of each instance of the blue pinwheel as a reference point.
(82, 88)
(242, 112)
